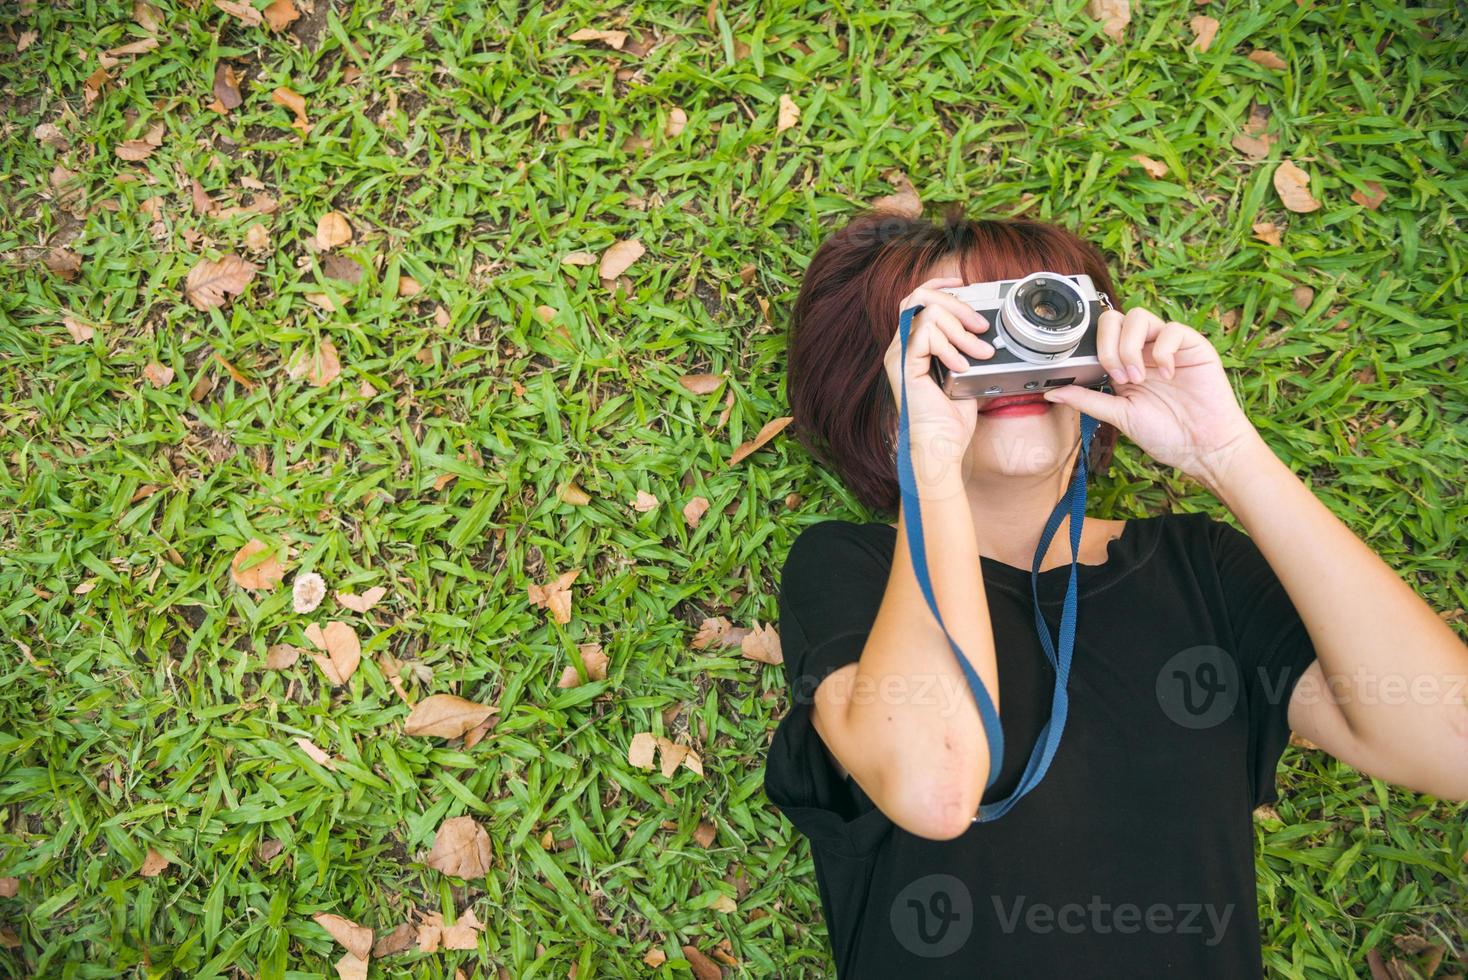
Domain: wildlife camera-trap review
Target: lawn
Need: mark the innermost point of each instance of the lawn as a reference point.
(473, 304)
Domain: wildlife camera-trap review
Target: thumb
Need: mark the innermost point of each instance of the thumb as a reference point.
(1110, 409)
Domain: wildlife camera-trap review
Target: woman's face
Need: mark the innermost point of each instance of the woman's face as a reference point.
(1033, 441)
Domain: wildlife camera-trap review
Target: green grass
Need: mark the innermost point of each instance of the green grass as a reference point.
(475, 148)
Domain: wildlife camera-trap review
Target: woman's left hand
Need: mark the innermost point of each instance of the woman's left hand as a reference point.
(1172, 397)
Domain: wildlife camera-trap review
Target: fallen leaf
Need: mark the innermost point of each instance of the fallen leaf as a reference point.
(211, 283)
(1114, 16)
(770, 430)
(1293, 186)
(63, 263)
(645, 502)
(134, 150)
(241, 11)
(430, 932)
(9, 887)
(351, 967)
(280, 15)
(283, 96)
(227, 86)
(704, 835)
(655, 958)
(343, 650)
(25, 40)
(307, 591)
(1267, 59)
(408, 287)
(572, 494)
(724, 904)
(1205, 29)
(904, 202)
(1253, 147)
(257, 238)
(80, 332)
(789, 114)
(265, 574)
(332, 229)
(357, 939)
(461, 849)
(672, 754)
(50, 134)
(1268, 232)
(365, 601)
(593, 658)
(153, 864)
(445, 716)
(578, 258)
(281, 656)
(713, 632)
(619, 258)
(1371, 197)
(693, 763)
(1154, 168)
(147, 16)
(762, 644)
(316, 753)
(269, 849)
(1302, 296)
(92, 87)
(394, 942)
(703, 967)
(642, 750)
(694, 510)
(158, 375)
(701, 384)
(200, 200)
(320, 367)
(612, 39)
(555, 595)
(677, 122)
(234, 372)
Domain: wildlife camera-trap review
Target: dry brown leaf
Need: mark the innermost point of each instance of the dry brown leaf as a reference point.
(210, 283)
(199, 198)
(712, 632)
(644, 502)
(701, 384)
(153, 864)
(1114, 16)
(280, 15)
(642, 750)
(677, 122)
(703, 967)
(1302, 296)
(724, 904)
(25, 40)
(343, 650)
(770, 430)
(693, 763)
(572, 494)
(63, 262)
(1267, 59)
(1293, 186)
(789, 114)
(612, 39)
(319, 367)
(147, 16)
(1154, 168)
(593, 658)
(408, 287)
(281, 656)
(317, 754)
(92, 87)
(243, 11)
(80, 332)
(672, 755)
(1268, 232)
(283, 96)
(655, 958)
(619, 258)
(357, 939)
(463, 934)
(1253, 147)
(158, 375)
(134, 150)
(365, 601)
(1205, 29)
(445, 716)
(578, 258)
(1371, 197)
(555, 595)
(265, 574)
(332, 229)
(9, 887)
(395, 942)
(307, 591)
(694, 510)
(461, 849)
(904, 202)
(350, 967)
(227, 86)
(50, 134)
(704, 835)
(762, 644)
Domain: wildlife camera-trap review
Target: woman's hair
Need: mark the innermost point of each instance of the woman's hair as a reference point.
(846, 316)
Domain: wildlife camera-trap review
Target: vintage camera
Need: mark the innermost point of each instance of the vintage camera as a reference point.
(1043, 328)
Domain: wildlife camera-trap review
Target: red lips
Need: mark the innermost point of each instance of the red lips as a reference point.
(1003, 400)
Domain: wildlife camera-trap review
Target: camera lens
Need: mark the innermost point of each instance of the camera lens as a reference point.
(1045, 315)
(1047, 307)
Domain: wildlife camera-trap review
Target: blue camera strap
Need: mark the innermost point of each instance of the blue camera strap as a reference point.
(1074, 503)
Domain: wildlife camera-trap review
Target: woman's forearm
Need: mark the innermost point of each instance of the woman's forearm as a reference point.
(1395, 673)
(902, 720)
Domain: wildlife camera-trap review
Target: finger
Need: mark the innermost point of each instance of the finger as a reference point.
(965, 314)
(1139, 326)
(944, 351)
(1108, 332)
(942, 282)
(1165, 347)
(958, 333)
(1111, 409)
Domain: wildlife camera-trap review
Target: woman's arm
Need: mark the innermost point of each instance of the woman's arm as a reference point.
(1388, 693)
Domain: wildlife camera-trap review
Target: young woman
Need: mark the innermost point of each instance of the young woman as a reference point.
(1198, 647)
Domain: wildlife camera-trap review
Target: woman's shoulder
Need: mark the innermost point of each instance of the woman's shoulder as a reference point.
(834, 536)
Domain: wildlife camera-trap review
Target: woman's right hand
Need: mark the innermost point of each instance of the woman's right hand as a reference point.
(945, 328)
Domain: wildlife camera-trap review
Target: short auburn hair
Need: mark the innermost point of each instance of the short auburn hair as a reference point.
(846, 316)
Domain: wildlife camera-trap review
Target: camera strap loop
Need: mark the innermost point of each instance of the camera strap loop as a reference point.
(1074, 503)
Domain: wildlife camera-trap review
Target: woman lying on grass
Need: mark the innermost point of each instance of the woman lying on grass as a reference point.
(1198, 647)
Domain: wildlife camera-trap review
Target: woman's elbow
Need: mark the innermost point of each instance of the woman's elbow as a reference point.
(936, 805)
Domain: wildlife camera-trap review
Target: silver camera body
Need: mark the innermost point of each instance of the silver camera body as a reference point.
(1043, 329)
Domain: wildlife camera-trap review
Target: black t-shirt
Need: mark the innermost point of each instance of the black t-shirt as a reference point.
(1134, 857)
